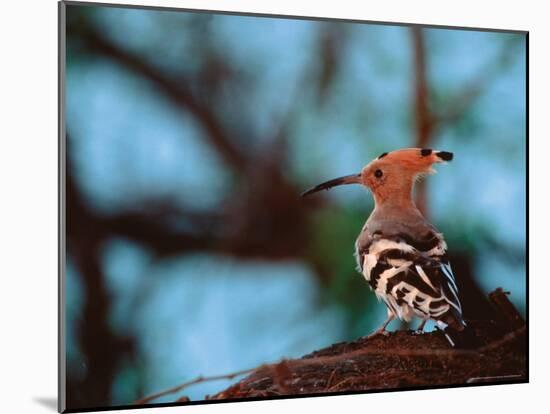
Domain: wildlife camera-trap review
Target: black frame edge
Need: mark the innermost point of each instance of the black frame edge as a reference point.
(62, 358)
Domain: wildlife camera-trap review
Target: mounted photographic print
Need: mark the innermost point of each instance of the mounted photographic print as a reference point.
(249, 207)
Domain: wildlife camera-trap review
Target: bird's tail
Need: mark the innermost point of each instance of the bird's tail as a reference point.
(457, 332)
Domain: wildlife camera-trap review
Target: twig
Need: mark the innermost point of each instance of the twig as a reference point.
(197, 380)
(336, 386)
(330, 378)
(505, 310)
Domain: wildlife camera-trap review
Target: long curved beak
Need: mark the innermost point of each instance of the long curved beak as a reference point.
(347, 179)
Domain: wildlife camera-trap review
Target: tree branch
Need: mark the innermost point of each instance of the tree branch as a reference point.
(285, 370)
(177, 91)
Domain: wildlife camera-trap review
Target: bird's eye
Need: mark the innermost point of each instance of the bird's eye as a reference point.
(378, 173)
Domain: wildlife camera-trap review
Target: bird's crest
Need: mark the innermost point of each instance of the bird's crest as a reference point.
(419, 160)
(391, 172)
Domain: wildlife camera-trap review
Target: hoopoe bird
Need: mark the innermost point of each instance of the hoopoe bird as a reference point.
(401, 255)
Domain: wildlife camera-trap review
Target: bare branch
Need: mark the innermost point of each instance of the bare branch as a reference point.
(176, 91)
(197, 380)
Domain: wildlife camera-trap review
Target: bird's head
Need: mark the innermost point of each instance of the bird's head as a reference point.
(391, 174)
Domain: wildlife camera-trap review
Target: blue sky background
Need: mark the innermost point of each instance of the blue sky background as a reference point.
(206, 313)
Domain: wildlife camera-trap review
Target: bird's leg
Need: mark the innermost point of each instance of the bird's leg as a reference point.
(421, 327)
(382, 329)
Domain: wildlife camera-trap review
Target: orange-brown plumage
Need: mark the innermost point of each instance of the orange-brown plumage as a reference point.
(400, 169)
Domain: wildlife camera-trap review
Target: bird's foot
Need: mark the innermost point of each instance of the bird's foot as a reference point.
(380, 331)
(420, 329)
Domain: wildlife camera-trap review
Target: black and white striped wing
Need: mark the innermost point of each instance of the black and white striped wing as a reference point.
(434, 293)
(412, 277)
